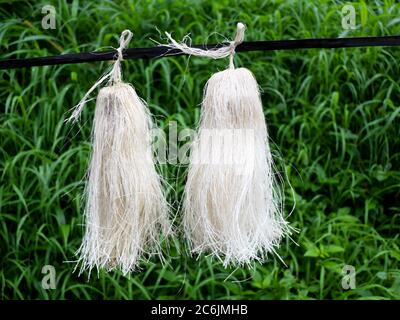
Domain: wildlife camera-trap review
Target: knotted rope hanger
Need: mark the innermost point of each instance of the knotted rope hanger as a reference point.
(113, 77)
(213, 53)
(165, 51)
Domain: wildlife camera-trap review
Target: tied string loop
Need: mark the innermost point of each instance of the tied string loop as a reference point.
(124, 40)
(113, 77)
(217, 53)
(233, 44)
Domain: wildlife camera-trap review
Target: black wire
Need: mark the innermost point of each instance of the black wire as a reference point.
(163, 51)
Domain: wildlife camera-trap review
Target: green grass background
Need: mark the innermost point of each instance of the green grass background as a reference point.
(333, 116)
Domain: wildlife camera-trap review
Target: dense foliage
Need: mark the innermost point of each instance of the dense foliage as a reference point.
(334, 123)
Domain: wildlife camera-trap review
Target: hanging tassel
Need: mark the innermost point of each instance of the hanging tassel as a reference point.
(125, 206)
(232, 204)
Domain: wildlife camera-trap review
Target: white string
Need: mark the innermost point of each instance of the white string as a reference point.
(114, 75)
(219, 53)
(238, 40)
(124, 40)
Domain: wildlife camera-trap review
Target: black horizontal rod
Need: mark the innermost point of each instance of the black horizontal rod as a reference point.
(164, 51)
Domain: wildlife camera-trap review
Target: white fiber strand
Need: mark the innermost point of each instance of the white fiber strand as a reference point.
(232, 207)
(126, 208)
(126, 214)
(114, 76)
(217, 53)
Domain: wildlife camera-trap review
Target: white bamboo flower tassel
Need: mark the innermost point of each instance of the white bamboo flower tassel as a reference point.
(126, 213)
(232, 204)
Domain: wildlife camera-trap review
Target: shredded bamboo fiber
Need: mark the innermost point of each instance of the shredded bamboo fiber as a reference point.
(126, 213)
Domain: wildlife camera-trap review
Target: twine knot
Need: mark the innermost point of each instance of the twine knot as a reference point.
(113, 77)
(124, 40)
(233, 44)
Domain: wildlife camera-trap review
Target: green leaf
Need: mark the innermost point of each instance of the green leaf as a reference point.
(343, 211)
(382, 275)
(65, 228)
(332, 266)
(312, 252)
(74, 76)
(267, 282)
(395, 254)
(333, 248)
(364, 13)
